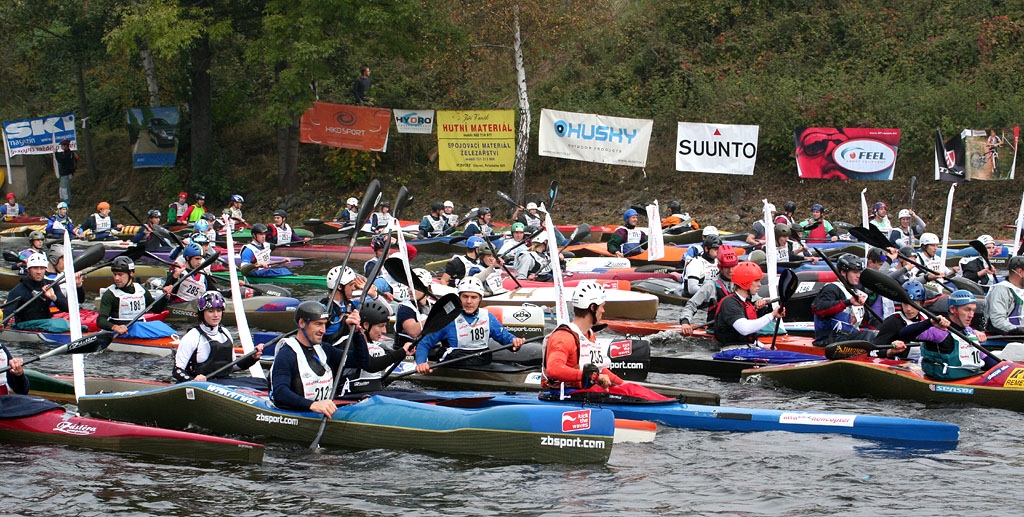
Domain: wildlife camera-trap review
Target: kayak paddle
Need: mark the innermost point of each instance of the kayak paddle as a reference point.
(85, 345)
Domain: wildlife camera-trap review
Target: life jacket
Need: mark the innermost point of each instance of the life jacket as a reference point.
(468, 264)
(844, 322)
(903, 237)
(818, 234)
(127, 305)
(474, 336)
(221, 353)
(284, 233)
(192, 287)
(700, 269)
(587, 352)
(103, 225)
(541, 263)
(381, 220)
(58, 225)
(884, 225)
(634, 236)
(726, 333)
(311, 385)
(11, 211)
(196, 214)
(964, 361)
(1018, 300)
(721, 291)
(4, 390)
(176, 210)
(532, 222)
(436, 225)
(361, 381)
(260, 253)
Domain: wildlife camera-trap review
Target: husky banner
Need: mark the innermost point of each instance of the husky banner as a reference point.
(414, 121)
(39, 135)
(476, 141)
(154, 136)
(977, 154)
(854, 153)
(594, 138)
(716, 148)
(348, 127)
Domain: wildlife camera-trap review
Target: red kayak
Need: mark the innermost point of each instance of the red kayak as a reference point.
(30, 420)
(802, 344)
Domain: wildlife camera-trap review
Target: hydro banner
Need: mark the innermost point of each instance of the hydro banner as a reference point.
(977, 154)
(851, 153)
(414, 121)
(349, 127)
(716, 148)
(594, 138)
(154, 135)
(476, 141)
(39, 135)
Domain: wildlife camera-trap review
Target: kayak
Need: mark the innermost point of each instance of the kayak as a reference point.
(162, 346)
(29, 420)
(22, 220)
(511, 284)
(619, 304)
(531, 433)
(265, 312)
(673, 254)
(325, 251)
(320, 280)
(895, 430)
(1000, 387)
(92, 282)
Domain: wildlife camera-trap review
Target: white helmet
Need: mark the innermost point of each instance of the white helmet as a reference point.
(587, 293)
(540, 238)
(531, 206)
(709, 230)
(425, 277)
(986, 239)
(449, 204)
(352, 201)
(929, 238)
(400, 292)
(903, 213)
(771, 208)
(471, 284)
(36, 260)
(336, 273)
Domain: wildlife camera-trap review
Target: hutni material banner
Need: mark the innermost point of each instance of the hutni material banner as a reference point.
(716, 148)
(476, 141)
(594, 138)
(348, 127)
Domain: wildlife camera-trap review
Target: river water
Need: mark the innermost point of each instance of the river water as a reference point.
(682, 472)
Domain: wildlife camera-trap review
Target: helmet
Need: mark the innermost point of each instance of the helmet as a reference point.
(122, 265)
(709, 230)
(201, 225)
(103, 205)
(540, 238)
(199, 238)
(627, 214)
(712, 241)
(10, 195)
(531, 206)
(35, 260)
(55, 254)
(817, 208)
(471, 284)
(745, 273)
(1015, 262)
(385, 202)
(436, 206)
(986, 239)
(727, 256)
(485, 250)
(258, 228)
(447, 204)
(36, 235)
(757, 257)
(208, 216)
(182, 194)
(281, 213)
(346, 276)
(914, 289)
(783, 230)
(425, 277)
(475, 242)
(192, 250)
(674, 206)
(352, 201)
(400, 292)
(880, 205)
(310, 311)
(790, 206)
(929, 238)
(961, 297)
(200, 195)
(210, 300)
(771, 208)
(587, 293)
(373, 312)
(378, 241)
(518, 227)
(154, 213)
(848, 262)
(484, 210)
(904, 213)
(62, 204)
(235, 198)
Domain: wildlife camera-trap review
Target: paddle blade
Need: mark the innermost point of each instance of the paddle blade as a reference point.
(134, 252)
(552, 193)
(396, 268)
(11, 256)
(245, 269)
(370, 198)
(444, 311)
(580, 233)
(91, 343)
(884, 285)
(401, 200)
(90, 256)
(788, 282)
(982, 251)
(508, 199)
(847, 349)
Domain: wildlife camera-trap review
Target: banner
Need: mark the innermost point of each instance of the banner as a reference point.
(479, 141)
(854, 153)
(154, 136)
(977, 154)
(348, 127)
(594, 138)
(716, 148)
(414, 121)
(40, 135)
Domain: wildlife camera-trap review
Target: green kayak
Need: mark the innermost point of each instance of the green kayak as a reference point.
(320, 280)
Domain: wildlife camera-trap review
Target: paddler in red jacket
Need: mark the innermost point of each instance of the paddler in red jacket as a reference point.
(572, 355)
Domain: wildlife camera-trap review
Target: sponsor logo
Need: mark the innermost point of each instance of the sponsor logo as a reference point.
(75, 429)
(718, 149)
(834, 420)
(627, 366)
(231, 394)
(578, 420)
(945, 388)
(345, 131)
(522, 315)
(414, 119)
(345, 118)
(40, 126)
(578, 443)
(1015, 379)
(620, 348)
(864, 156)
(533, 378)
(995, 373)
(594, 132)
(276, 419)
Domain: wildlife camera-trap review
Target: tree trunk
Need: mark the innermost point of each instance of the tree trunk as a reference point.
(523, 140)
(200, 104)
(150, 70)
(83, 115)
(288, 157)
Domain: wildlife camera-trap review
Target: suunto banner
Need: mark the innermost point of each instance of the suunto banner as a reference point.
(716, 148)
(594, 138)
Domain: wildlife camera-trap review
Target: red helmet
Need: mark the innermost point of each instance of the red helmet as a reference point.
(744, 274)
(727, 256)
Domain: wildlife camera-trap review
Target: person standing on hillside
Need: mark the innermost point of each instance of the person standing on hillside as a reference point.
(67, 162)
(361, 87)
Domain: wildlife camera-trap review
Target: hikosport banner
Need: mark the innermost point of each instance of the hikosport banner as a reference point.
(414, 121)
(855, 153)
(349, 127)
(477, 141)
(977, 154)
(716, 148)
(153, 133)
(594, 138)
(40, 135)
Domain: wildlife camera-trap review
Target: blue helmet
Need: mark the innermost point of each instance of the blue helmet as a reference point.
(474, 242)
(914, 289)
(961, 297)
(237, 199)
(629, 213)
(199, 238)
(817, 208)
(192, 250)
(201, 225)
